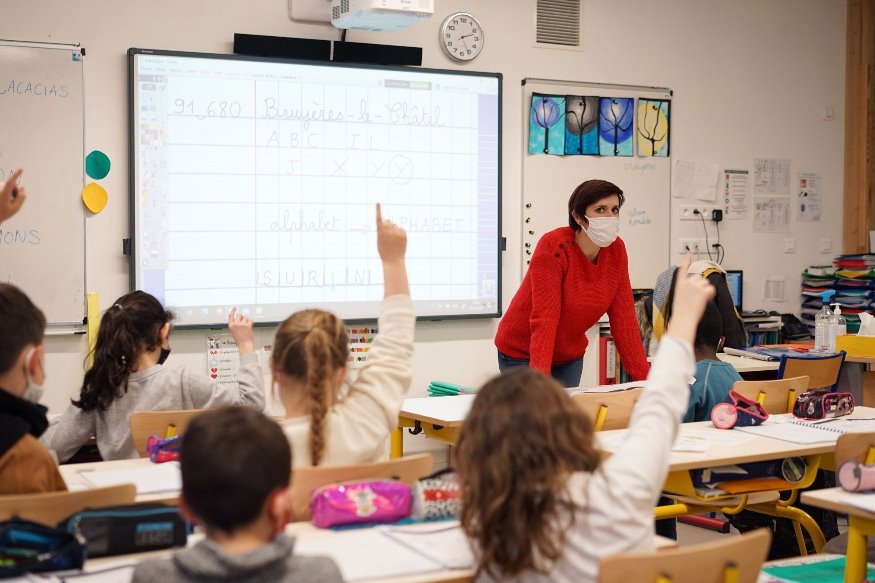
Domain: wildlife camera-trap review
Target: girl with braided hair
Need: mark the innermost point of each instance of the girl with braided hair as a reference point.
(309, 367)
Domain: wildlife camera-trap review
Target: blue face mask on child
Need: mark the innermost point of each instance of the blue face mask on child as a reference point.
(165, 352)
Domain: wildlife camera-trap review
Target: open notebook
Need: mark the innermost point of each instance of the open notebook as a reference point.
(401, 550)
(788, 428)
(151, 479)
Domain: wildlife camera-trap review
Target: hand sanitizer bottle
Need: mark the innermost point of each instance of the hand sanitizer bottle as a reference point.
(837, 326)
(821, 323)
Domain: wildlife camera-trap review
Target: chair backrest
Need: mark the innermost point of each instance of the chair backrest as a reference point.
(776, 396)
(823, 371)
(855, 446)
(146, 423)
(608, 410)
(736, 556)
(407, 469)
(52, 507)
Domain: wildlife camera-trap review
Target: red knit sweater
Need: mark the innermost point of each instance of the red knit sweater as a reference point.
(562, 296)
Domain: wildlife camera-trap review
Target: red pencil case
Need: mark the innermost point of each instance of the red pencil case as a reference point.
(740, 412)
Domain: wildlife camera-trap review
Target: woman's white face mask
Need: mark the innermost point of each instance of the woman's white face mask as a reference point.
(602, 230)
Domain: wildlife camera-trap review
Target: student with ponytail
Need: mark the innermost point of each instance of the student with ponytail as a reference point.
(128, 376)
(309, 367)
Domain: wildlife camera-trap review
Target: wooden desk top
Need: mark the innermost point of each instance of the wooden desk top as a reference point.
(837, 500)
(860, 359)
(744, 364)
(72, 474)
(443, 411)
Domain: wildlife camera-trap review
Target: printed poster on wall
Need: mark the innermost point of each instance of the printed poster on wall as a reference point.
(771, 214)
(736, 193)
(771, 176)
(808, 197)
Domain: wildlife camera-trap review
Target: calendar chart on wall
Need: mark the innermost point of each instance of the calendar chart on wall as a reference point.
(255, 181)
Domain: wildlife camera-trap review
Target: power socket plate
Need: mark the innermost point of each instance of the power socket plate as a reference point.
(688, 212)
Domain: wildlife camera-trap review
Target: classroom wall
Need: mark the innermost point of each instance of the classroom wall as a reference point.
(750, 79)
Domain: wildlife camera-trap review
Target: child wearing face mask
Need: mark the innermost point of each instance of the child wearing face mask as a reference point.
(128, 376)
(25, 465)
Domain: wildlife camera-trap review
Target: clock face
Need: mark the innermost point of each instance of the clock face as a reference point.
(461, 36)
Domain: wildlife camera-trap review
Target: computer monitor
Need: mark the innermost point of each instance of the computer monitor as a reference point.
(735, 281)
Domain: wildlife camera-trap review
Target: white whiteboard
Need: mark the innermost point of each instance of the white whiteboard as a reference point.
(42, 248)
(255, 183)
(549, 180)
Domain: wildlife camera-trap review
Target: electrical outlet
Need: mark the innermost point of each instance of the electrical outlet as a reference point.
(695, 245)
(688, 212)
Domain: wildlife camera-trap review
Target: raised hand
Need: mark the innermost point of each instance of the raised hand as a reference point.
(11, 196)
(240, 328)
(392, 245)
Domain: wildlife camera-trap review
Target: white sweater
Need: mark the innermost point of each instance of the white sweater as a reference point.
(614, 505)
(357, 428)
(158, 388)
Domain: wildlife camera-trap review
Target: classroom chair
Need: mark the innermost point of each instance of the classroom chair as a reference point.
(146, 423)
(855, 446)
(776, 396)
(52, 507)
(823, 372)
(737, 559)
(406, 469)
(608, 410)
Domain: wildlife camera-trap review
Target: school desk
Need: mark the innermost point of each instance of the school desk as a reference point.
(861, 525)
(305, 530)
(440, 417)
(75, 477)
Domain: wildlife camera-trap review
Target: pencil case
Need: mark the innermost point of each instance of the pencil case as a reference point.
(165, 449)
(360, 502)
(30, 547)
(437, 496)
(132, 528)
(739, 412)
(856, 477)
(823, 404)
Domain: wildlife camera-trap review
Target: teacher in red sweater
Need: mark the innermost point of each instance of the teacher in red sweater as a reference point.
(577, 273)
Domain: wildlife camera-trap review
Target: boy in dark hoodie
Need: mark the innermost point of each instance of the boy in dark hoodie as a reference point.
(236, 475)
(26, 467)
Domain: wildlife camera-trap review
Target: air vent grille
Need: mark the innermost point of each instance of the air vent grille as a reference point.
(558, 22)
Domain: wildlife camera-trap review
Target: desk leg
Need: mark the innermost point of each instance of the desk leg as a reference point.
(855, 563)
(396, 448)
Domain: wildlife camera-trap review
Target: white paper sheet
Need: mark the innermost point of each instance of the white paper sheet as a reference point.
(152, 479)
(771, 176)
(736, 193)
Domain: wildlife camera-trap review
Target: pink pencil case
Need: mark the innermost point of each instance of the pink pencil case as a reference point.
(853, 476)
(358, 502)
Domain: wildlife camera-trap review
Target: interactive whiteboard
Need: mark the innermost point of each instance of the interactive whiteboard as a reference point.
(254, 184)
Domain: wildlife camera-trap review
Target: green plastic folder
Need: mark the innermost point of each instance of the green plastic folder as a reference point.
(831, 571)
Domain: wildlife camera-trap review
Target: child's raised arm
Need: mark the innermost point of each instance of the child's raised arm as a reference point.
(392, 244)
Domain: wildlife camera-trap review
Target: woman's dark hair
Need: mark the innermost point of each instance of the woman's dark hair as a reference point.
(586, 194)
(519, 444)
(131, 326)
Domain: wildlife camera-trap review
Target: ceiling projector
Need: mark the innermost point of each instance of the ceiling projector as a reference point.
(379, 15)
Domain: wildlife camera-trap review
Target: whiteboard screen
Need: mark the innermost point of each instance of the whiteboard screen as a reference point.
(42, 248)
(255, 180)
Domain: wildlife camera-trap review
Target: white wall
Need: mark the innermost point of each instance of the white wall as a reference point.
(750, 79)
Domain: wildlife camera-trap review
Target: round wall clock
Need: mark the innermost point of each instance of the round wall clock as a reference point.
(461, 36)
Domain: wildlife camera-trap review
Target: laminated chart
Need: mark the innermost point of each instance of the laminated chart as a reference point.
(256, 182)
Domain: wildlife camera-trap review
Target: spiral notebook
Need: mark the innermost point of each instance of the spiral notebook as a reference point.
(807, 432)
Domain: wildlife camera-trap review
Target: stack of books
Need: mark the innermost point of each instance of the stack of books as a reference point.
(444, 389)
(815, 280)
(761, 328)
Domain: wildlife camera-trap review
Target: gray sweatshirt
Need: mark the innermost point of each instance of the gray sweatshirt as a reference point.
(207, 562)
(158, 388)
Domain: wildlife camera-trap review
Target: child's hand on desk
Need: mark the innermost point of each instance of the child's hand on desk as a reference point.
(11, 196)
(691, 294)
(241, 329)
